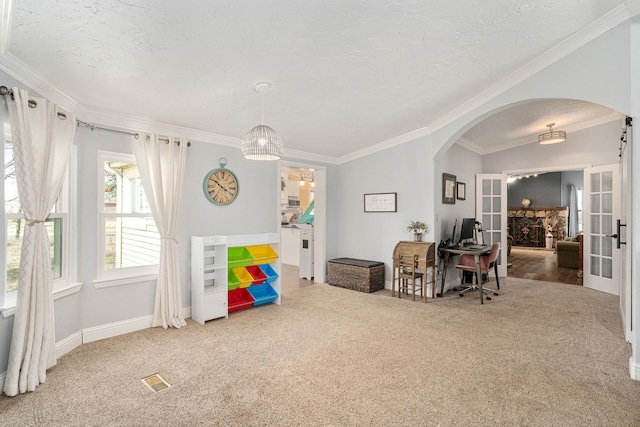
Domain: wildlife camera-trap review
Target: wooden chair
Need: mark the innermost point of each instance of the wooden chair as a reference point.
(410, 277)
(468, 263)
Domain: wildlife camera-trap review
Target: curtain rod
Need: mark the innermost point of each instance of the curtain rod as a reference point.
(6, 91)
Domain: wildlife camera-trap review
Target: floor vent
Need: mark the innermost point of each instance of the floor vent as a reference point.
(155, 382)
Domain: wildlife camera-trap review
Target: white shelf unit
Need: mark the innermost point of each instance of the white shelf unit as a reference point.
(208, 278)
(210, 267)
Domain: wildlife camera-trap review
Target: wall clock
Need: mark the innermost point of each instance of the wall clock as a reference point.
(221, 185)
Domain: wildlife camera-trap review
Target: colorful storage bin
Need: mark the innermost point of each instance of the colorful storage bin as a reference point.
(232, 281)
(262, 254)
(239, 299)
(269, 272)
(258, 275)
(262, 294)
(239, 257)
(244, 278)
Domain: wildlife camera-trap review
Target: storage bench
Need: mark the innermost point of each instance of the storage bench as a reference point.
(357, 274)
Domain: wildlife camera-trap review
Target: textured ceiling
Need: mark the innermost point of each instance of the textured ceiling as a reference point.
(345, 74)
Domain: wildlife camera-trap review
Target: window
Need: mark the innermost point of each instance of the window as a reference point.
(14, 226)
(130, 242)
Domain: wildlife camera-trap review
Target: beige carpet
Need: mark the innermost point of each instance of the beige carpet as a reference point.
(538, 354)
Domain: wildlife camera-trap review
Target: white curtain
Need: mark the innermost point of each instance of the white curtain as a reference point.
(161, 166)
(573, 211)
(42, 142)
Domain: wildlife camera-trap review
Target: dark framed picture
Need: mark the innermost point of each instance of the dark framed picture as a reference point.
(461, 191)
(381, 202)
(448, 189)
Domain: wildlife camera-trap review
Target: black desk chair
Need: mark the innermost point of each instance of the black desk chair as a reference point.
(468, 263)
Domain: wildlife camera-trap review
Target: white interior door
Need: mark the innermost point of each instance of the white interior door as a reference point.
(601, 256)
(491, 210)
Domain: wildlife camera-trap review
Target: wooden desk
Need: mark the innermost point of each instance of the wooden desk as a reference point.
(464, 251)
(425, 255)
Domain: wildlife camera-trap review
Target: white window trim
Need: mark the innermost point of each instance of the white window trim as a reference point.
(61, 291)
(122, 276)
(66, 284)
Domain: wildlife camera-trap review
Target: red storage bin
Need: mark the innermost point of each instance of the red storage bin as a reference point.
(239, 299)
(258, 275)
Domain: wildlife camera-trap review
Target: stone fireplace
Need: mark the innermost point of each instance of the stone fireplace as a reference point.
(528, 226)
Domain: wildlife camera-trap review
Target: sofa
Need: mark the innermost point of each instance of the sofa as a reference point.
(569, 252)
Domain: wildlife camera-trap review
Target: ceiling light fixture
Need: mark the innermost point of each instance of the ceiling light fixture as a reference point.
(262, 142)
(553, 136)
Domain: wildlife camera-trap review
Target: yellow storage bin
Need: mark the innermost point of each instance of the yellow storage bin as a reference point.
(262, 254)
(244, 278)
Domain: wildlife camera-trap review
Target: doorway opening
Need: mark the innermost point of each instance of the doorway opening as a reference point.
(544, 224)
(302, 203)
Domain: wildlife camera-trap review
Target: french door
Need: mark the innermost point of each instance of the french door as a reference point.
(601, 255)
(491, 210)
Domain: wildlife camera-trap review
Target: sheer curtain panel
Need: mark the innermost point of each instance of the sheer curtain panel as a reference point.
(161, 165)
(42, 137)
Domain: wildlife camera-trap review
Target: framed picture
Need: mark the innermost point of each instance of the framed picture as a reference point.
(448, 189)
(381, 202)
(461, 192)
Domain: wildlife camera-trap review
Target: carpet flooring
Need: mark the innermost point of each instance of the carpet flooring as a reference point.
(541, 354)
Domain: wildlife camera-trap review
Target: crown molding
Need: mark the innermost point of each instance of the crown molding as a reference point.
(138, 124)
(588, 33)
(384, 145)
(633, 6)
(470, 145)
(290, 154)
(466, 143)
(21, 72)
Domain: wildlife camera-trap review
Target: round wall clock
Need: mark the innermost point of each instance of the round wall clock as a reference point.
(221, 185)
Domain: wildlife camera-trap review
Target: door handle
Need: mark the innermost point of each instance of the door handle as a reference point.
(615, 236)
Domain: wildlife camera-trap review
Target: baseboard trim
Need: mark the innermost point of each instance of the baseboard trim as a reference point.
(96, 333)
(634, 369)
(69, 343)
(114, 329)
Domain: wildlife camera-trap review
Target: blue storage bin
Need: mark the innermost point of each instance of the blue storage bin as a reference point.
(262, 294)
(269, 272)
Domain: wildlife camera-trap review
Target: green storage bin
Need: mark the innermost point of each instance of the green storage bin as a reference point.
(239, 257)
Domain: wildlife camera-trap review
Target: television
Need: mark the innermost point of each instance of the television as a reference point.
(467, 228)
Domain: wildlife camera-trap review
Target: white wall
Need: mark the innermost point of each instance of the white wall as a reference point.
(406, 170)
(594, 146)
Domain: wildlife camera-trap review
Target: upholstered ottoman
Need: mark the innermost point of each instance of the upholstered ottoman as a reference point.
(357, 274)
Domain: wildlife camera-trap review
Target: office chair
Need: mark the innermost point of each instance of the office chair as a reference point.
(408, 276)
(468, 263)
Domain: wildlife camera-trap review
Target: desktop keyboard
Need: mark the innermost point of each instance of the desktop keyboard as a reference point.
(474, 247)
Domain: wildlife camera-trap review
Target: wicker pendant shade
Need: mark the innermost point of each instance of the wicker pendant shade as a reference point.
(262, 142)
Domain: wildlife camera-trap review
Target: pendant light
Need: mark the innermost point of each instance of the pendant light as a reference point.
(262, 142)
(553, 136)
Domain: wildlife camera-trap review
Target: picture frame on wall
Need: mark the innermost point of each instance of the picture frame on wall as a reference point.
(448, 189)
(381, 202)
(461, 191)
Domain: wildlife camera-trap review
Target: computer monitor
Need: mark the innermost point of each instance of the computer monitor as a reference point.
(466, 230)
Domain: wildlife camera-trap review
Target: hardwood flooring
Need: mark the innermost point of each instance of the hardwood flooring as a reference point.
(540, 264)
(290, 280)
